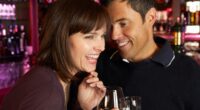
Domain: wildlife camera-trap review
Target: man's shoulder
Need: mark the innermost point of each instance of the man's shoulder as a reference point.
(186, 62)
(180, 57)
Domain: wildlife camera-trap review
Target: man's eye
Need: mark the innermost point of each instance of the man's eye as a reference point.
(122, 24)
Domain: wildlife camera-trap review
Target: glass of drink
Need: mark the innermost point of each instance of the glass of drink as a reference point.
(133, 103)
(113, 100)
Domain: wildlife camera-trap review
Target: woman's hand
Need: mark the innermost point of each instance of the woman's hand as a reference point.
(90, 92)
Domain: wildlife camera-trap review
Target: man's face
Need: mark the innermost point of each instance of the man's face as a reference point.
(129, 31)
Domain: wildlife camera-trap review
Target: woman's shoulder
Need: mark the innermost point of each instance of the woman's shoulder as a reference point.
(41, 77)
(39, 87)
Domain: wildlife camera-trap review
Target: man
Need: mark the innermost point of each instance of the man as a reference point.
(145, 65)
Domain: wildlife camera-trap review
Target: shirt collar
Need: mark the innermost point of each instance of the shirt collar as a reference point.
(165, 55)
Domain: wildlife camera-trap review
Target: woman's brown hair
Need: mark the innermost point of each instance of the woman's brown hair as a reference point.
(65, 18)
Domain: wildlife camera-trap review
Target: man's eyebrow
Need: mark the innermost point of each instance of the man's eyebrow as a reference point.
(121, 19)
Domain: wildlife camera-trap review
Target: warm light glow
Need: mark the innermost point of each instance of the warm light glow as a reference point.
(7, 11)
(193, 29)
(193, 6)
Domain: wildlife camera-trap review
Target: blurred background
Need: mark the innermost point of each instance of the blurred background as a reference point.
(21, 23)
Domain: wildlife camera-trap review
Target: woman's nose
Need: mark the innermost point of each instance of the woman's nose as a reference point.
(100, 45)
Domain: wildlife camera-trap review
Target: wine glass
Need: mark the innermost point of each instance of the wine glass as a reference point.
(113, 100)
(133, 103)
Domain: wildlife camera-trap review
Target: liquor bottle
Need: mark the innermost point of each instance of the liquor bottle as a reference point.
(199, 11)
(169, 25)
(197, 14)
(177, 32)
(188, 15)
(192, 18)
(16, 40)
(5, 48)
(10, 42)
(23, 38)
(1, 42)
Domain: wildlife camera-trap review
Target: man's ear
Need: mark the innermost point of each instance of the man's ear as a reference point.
(150, 16)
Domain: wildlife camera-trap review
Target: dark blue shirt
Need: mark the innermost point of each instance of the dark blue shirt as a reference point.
(167, 81)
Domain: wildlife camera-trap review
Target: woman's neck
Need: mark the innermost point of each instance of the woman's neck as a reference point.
(66, 87)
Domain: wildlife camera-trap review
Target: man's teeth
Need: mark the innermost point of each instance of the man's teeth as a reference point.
(122, 43)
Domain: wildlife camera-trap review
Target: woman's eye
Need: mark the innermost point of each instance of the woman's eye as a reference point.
(89, 37)
(103, 36)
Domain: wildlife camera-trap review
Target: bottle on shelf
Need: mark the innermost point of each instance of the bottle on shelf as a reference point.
(16, 40)
(11, 41)
(23, 39)
(178, 34)
(192, 18)
(193, 12)
(5, 48)
(187, 15)
(1, 42)
(197, 13)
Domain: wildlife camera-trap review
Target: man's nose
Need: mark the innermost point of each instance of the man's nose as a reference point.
(115, 33)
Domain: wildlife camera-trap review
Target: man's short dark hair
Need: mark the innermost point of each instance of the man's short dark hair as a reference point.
(140, 6)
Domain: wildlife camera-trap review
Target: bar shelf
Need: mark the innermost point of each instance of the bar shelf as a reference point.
(188, 37)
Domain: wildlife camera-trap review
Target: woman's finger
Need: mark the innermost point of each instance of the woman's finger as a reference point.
(94, 73)
(92, 80)
(100, 85)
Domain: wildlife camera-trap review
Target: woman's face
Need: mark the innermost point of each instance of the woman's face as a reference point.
(86, 48)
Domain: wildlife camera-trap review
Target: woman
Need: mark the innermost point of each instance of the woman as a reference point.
(72, 40)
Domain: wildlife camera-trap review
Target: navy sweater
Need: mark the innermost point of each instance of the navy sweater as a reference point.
(168, 81)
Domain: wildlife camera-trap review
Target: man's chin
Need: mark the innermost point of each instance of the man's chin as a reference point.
(123, 54)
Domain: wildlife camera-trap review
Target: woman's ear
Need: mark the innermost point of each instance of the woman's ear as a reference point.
(150, 16)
